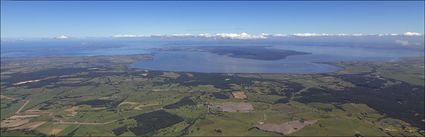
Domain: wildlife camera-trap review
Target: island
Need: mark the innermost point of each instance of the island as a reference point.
(246, 52)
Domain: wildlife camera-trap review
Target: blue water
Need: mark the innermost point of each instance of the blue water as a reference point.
(212, 63)
(207, 62)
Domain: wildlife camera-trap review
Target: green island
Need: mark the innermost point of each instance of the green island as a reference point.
(246, 52)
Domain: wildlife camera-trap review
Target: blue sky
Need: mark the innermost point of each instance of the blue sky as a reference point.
(100, 19)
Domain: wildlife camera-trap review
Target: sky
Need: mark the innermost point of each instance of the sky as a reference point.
(22, 19)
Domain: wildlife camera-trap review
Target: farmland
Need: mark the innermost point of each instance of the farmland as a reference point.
(102, 96)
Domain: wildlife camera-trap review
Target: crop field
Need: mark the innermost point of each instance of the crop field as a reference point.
(101, 96)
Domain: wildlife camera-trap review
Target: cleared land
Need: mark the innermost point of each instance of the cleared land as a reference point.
(101, 96)
(287, 127)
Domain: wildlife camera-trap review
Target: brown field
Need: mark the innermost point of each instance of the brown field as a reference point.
(239, 95)
(233, 107)
(23, 120)
(28, 126)
(285, 128)
(72, 111)
(55, 131)
(170, 75)
(10, 123)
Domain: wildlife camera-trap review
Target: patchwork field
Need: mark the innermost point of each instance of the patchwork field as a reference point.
(101, 96)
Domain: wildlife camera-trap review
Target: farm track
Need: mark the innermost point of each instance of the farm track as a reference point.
(85, 123)
(22, 107)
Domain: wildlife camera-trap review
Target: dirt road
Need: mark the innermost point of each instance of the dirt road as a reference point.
(22, 107)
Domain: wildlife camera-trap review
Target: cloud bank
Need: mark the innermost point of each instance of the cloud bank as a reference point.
(412, 34)
(246, 36)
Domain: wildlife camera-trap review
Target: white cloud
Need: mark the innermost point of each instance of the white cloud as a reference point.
(182, 35)
(357, 35)
(127, 36)
(246, 36)
(279, 35)
(264, 34)
(342, 34)
(206, 35)
(388, 34)
(412, 34)
(309, 34)
(61, 37)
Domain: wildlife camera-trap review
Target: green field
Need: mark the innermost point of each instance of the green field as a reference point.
(109, 99)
